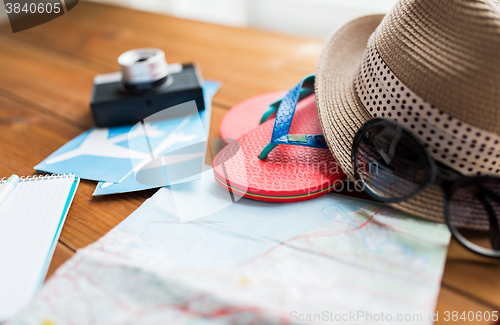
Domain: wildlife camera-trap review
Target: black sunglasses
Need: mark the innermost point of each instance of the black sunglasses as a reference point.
(394, 165)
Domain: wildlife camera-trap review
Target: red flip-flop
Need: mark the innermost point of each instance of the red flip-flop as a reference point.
(247, 115)
(292, 167)
(250, 113)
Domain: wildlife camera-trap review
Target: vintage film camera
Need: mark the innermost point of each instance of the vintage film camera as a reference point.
(145, 85)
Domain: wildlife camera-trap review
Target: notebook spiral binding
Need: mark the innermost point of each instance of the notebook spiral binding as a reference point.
(38, 177)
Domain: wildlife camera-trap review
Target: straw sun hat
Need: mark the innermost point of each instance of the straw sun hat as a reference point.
(432, 65)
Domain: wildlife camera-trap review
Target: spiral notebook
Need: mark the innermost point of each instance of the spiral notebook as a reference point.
(31, 220)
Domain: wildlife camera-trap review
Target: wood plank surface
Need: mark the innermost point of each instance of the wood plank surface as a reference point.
(252, 62)
(473, 275)
(61, 255)
(45, 81)
(450, 301)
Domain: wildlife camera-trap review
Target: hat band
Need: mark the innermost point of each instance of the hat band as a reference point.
(465, 148)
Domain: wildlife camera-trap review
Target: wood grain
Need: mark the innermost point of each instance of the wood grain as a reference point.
(28, 136)
(45, 81)
(248, 62)
(50, 80)
(61, 255)
(450, 301)
(477, 276)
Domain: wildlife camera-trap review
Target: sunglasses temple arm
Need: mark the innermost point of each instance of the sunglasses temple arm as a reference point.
(494, 226)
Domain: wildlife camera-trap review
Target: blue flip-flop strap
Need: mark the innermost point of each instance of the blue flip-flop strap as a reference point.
(273, 108)
(284, 118)
(283, 122)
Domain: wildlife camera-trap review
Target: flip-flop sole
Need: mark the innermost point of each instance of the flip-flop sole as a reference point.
(246, 116)
(290, 173)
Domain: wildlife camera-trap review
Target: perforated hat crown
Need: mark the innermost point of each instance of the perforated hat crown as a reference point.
(433, 66)
(448, 53)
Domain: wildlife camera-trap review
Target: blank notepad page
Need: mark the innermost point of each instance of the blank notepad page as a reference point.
(31, 220)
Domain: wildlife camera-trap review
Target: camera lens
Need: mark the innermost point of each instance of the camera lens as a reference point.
(143, 68)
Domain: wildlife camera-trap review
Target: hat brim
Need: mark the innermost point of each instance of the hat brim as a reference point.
(341, 113)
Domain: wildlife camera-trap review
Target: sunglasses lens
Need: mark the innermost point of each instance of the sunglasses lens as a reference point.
(474, 214)
(390, 162)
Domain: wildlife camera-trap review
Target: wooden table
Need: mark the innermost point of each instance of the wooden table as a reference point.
(45, 83)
